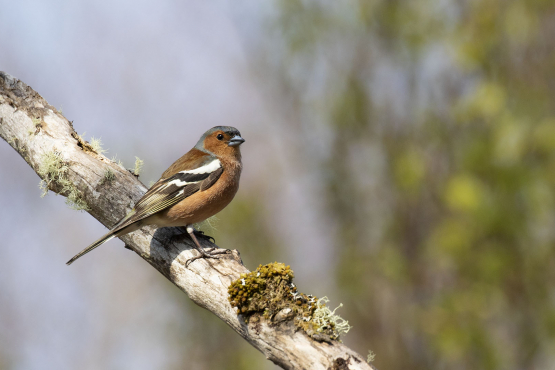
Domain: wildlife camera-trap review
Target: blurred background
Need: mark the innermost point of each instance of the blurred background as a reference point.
(400, 156)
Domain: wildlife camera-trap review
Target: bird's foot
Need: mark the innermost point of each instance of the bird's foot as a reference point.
(204, 253)
(213, 253)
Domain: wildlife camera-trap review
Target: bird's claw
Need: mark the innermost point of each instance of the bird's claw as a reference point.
(207, 254)
(211, 252)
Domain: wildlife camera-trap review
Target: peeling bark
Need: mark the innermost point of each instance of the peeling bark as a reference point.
(34, 128)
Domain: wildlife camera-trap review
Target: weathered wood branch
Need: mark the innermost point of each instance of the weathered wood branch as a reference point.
(37, 130)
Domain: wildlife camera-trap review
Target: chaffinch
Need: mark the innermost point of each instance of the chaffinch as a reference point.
(194, 188)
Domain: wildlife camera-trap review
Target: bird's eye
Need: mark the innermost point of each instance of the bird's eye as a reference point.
(220, 136)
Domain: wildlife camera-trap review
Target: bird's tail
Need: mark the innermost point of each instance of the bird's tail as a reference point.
(121, 228)
(98, 243)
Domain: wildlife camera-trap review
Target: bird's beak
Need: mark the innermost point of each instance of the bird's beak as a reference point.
(236, 141)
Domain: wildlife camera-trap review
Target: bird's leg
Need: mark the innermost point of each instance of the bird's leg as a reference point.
(203, 253)
(198, 233)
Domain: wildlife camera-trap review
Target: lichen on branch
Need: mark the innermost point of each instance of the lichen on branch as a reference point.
(53, 171)
(138, 166)
(269, 290)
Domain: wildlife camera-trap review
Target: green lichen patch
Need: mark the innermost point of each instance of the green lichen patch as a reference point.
(108, 177)
(269, 290)
(325, 321)
(371, 356)
(53, 171)
(138, 166)
(96, 144)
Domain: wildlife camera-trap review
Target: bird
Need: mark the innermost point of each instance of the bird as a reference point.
(195, 187)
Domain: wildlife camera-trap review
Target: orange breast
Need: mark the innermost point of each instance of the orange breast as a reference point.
(202, 205)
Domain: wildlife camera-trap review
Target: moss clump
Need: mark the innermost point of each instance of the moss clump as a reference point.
(265, 289)
(270, 290)
(53, 171)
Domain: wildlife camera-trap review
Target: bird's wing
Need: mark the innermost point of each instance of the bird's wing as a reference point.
(165, 193)
(171, 190)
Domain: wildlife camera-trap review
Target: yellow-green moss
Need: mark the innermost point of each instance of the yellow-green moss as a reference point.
(53, 170)
(270, 290)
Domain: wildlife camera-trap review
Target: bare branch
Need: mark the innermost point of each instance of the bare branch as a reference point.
(70, 166)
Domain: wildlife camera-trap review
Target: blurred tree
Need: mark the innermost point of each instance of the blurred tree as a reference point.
(439, 172)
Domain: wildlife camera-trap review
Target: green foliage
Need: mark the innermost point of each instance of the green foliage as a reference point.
(450, 246)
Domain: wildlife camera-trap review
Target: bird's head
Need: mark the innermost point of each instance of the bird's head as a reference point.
(221, 141)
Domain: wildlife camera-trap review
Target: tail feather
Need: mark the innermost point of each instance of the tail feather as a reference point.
(120, 229)
(97, 243)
